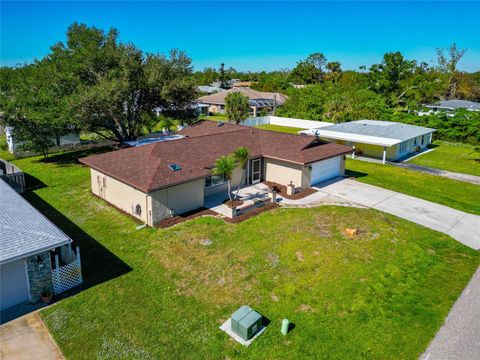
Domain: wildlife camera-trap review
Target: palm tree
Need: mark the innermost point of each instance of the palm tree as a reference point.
(237, 107)
(224, 166)
(241, 156)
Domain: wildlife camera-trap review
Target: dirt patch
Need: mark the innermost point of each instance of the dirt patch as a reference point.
(165, 223)
(282, 191)
(233, 203)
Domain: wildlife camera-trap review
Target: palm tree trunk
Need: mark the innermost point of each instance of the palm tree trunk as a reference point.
(239, 186)
(229, 190)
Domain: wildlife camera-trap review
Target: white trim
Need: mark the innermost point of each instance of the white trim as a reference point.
(28, 279)
(372, 140)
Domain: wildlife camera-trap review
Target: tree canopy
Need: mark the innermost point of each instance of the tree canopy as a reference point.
(237, 107)
(96, 83)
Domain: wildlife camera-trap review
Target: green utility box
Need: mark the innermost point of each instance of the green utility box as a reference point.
(246, 322)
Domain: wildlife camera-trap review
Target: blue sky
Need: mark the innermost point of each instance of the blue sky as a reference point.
(253, 35)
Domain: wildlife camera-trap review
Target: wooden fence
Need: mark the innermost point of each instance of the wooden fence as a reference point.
(12, 175)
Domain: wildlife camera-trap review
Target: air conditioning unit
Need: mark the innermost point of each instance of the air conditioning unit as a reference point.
(246, 322)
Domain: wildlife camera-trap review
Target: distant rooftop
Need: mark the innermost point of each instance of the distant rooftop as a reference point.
(24, 230)
(457, 104)
(386, 133)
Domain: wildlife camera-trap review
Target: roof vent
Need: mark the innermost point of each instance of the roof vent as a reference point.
(175, 167)
(220, 123)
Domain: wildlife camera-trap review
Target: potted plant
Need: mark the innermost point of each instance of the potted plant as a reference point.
(46, 296)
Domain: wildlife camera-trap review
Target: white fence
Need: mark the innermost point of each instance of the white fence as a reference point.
(282, 121)
(67, 276)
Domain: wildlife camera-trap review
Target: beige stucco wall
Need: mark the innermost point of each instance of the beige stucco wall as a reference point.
(283, 172)
(155, 205)
(119, 194)
(176, 200)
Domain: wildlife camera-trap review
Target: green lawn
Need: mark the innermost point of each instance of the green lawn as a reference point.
(451, 156)
(456, 194)
(279, 128)
(4, 154)
(216, 117)
(155, 293)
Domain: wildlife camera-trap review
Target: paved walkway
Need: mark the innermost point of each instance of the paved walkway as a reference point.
(459, 337)
(27, 338)
(438, 172)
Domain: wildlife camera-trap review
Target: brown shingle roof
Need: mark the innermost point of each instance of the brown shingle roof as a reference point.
(147, 167)
(219, 98)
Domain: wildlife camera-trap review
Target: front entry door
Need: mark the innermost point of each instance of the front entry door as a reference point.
(256, 171)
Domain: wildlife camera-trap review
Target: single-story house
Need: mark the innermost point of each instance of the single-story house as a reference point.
(72, 138)
(259, 100)
(386, 140)
(452, 106)
(209, 89)
(160, 180)
(33, 252)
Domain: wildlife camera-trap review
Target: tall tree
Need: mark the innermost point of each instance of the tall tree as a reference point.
(447, 63)
(237, 107)
(311, 70)
(120, 90)
(334, 70)
(34, 108)
(224, 77)
(386, 77)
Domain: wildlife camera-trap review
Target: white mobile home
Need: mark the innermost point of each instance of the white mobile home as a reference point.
(386, 140)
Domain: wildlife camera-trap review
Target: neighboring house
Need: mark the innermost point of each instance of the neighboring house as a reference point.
(34, 253)
(386, 140)
(209, 89)
(160, 180)
(258, 100)
(450, 106)
(14, 145)
(244, 83)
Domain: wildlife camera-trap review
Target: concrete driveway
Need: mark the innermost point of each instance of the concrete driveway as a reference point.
(459, 225)
(27, 338)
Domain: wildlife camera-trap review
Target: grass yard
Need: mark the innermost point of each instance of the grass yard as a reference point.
(215, 117)
(154, 293)
(279, 128)
(456, 194)
(455, 157)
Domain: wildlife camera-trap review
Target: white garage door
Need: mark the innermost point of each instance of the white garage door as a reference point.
(13, 284)
(325, 169)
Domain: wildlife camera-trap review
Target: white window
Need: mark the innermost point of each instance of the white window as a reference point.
(403, 147)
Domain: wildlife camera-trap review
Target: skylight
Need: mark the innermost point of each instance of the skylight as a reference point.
(175, 167)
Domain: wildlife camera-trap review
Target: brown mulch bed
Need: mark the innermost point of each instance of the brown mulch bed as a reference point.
(233, 203)
(251, 213)
(282, 191)
(165, 223)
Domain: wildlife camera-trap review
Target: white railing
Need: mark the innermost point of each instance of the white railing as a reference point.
(67, 276)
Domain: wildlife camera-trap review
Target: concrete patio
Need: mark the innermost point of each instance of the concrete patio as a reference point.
(215, 202)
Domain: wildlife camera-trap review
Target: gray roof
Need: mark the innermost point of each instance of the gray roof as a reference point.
(24, 231)
(458, 104)
(209, 89)
(382, 129)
